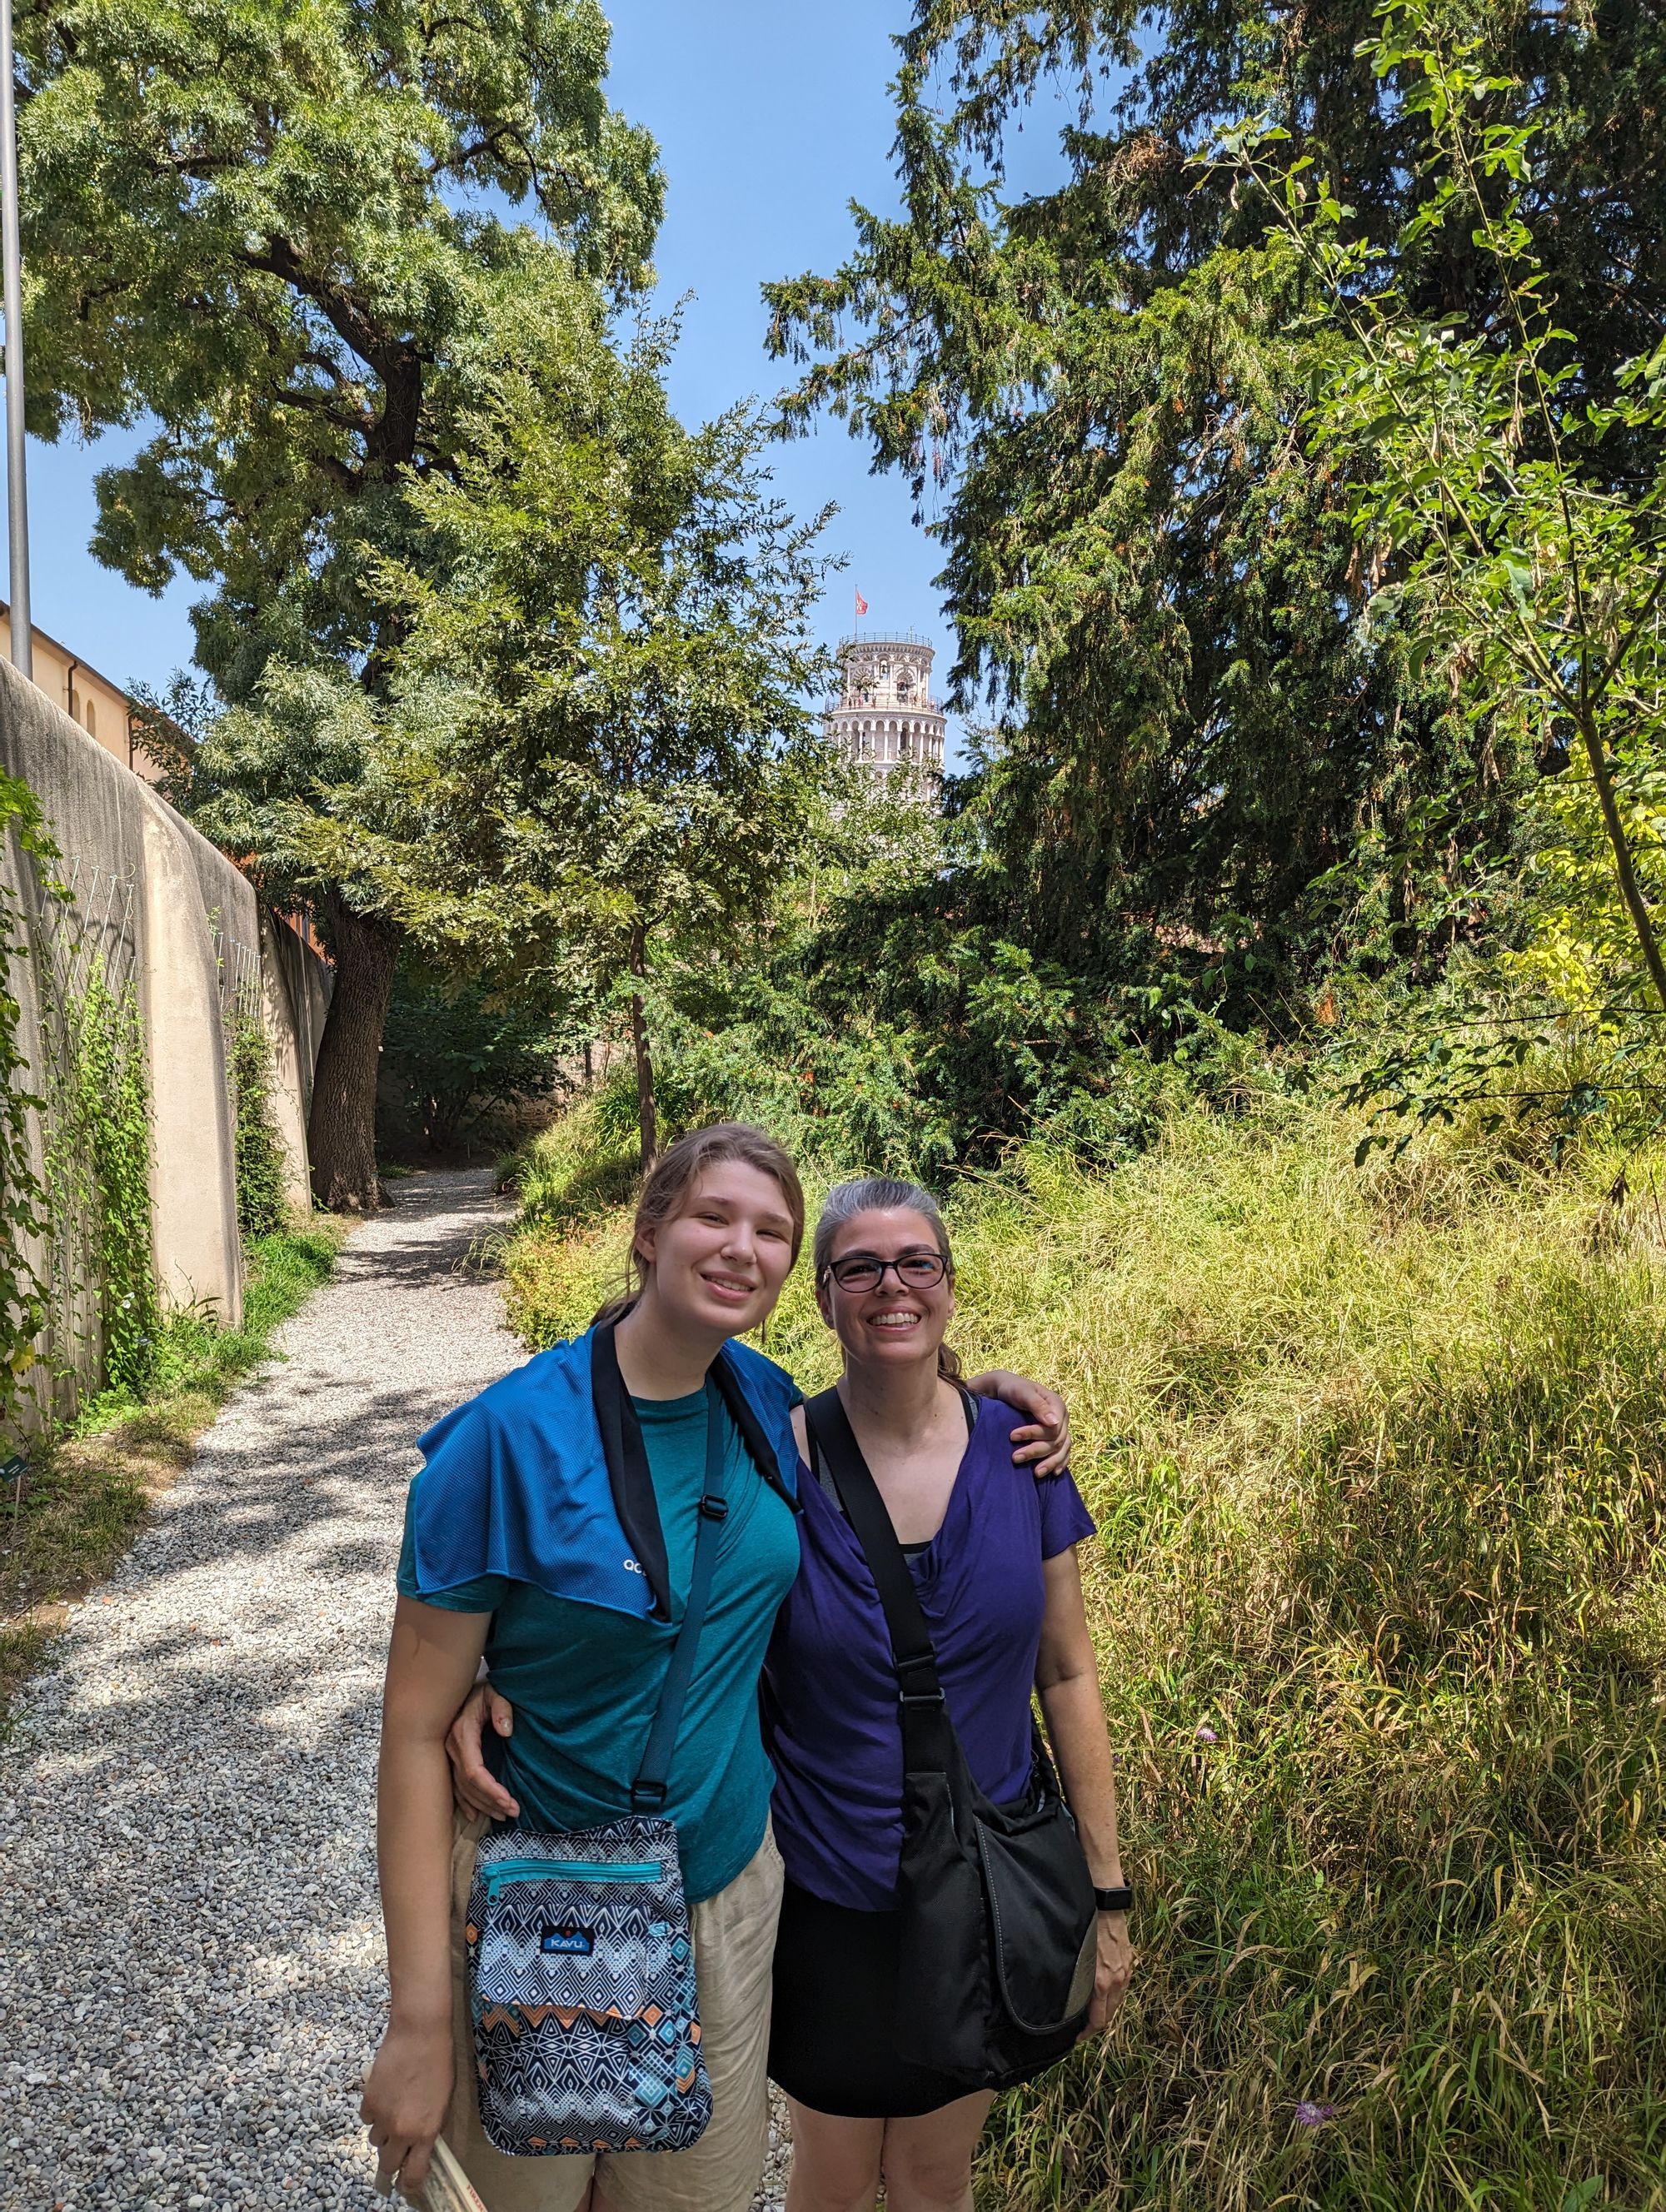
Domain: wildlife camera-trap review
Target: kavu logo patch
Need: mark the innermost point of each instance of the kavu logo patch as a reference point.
(572, 1942)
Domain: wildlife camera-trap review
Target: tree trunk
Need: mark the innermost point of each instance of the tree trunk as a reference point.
(341, 1135)
(646, 1120)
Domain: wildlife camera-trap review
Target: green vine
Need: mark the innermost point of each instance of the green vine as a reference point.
(24, 1300)
(98, 1176)
(261, 1211)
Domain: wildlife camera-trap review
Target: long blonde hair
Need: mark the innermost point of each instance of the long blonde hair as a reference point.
(670, 1183)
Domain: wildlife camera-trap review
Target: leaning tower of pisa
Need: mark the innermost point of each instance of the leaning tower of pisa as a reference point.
(887, 720)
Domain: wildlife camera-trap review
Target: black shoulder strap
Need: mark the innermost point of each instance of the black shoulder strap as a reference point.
(647, 1792)
(930, 1744)
(629, 1478)
(751, 1429)
(912, 1651)
(629, 1475)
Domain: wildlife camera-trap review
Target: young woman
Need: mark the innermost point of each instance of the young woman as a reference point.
(991, 1556)
(523, 1545)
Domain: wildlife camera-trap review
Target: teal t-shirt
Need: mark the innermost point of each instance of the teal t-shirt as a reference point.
(585, 1682)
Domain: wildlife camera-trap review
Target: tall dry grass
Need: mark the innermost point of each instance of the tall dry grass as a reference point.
(1381, 1610)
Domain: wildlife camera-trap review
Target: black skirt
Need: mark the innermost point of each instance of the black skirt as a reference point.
(832, 2045)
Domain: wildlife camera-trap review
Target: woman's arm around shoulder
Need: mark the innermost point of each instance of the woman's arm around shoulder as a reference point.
(1045, 1442)
(431, 1661)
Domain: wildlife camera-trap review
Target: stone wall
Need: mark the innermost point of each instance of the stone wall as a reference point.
(170, 915)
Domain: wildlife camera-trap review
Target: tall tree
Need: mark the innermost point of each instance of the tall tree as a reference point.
(273, 230)
(1104, 386)
(1480, 463)
(622, 753)
(626, 638)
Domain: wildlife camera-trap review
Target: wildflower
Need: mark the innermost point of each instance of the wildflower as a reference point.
(1205, 1734)
(1309, 2115)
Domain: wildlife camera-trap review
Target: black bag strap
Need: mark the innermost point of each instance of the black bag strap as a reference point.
(758, 1447)
(629, 1478)
(927, 1730)
(647, 1791)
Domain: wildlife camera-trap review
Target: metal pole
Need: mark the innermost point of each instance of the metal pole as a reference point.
(17, 490)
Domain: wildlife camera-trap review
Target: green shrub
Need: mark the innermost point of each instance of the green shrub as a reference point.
(98, 1175)
(196, 1356)
(25, 1296)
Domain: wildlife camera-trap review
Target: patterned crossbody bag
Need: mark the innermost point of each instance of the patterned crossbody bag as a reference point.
(581, 1972)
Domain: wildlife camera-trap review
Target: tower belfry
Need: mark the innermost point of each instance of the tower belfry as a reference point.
(886, 720)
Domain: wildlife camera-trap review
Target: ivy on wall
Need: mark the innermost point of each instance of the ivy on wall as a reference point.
(98, 1173)
(77, 1267)
(23, 1295)
(261, 1211)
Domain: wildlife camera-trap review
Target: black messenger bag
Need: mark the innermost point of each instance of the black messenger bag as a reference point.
(998, 1933)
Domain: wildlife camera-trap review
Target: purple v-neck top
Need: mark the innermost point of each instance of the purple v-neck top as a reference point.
(831, 1723)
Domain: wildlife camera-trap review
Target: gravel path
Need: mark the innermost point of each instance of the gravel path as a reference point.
(191, 1982)
(192, 1975)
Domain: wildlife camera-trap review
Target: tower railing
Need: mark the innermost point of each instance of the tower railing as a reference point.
(909, 638)
(928, 706)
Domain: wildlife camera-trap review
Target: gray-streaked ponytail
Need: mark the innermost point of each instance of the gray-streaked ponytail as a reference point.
(882, 1194)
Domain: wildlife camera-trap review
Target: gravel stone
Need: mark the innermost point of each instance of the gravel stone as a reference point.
(192, 1984)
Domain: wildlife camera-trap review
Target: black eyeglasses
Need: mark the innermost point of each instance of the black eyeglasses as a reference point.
(914, 1271)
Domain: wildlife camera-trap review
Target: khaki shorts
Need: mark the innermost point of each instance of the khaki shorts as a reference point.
(734, 1944)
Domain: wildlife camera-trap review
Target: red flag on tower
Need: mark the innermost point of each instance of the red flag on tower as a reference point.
(861, 607)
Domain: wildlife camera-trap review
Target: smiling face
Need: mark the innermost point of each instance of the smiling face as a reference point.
(719, 1263)
(893, 1321)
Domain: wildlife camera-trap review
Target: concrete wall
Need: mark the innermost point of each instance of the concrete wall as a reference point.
(167, 911)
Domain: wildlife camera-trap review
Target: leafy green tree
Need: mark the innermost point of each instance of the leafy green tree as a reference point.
(1486, 451)
(275, 233)
(623, 754)
(1531, 573)
(1101, 389)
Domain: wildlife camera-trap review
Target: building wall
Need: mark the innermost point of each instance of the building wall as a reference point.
(170, 913)
(91, 700)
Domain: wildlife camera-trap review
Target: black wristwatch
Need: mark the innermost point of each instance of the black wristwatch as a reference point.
(1114, 1900)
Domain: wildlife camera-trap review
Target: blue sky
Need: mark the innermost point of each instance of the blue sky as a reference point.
(771, 118)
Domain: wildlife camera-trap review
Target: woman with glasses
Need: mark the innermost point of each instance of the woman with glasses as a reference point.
(992, 1556)
(553, 1531)
(991, 1552)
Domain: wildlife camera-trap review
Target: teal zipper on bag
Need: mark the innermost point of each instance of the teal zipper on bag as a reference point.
(505, 1871)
